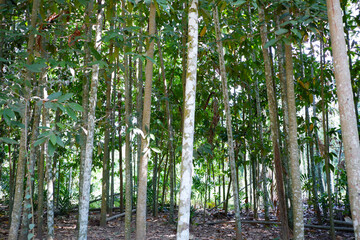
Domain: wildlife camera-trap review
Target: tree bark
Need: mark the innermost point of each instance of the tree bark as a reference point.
(145, 143)
(293, 148)
(230, 138)
(189, 124)
(85, 181)
(128, 183)
(349, 128)
(274, 128)
(20, 173)
(106, 159)
(170, 132)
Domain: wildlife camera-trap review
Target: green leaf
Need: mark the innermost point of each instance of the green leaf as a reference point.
(59, 105)
(95, 53)
(281, 31)
(36, 67)
(60, 125)
(296, 32)
(51, 105)
(29, 215)
(9, 113)
(59, 141)
(51, 149)
(238, 2)
(3, 60)
(28, 196)
(31, 226)
(65, 97)
(30, 236)
(70, 112)
(76, 107)
(18, 124)
(270, 43)
(157, 150)
(53, 139)
(8, 140)
(39, 141)
(54, 95)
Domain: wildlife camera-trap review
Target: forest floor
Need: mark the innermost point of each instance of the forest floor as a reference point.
(214, 224)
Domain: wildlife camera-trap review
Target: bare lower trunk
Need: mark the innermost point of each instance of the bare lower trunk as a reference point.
(20, 174)
(293, 148)
(106, 159)
(189, 124)
(347, 110)
(274, 125)
(225, 92)
(145, 143)
(85, 181)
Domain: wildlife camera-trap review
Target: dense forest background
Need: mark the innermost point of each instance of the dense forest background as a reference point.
(167, 107)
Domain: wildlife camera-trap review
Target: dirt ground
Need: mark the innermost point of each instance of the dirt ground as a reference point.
(212, 225)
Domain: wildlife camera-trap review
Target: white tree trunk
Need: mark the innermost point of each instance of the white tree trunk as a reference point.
(145, 143)
(85, 181)
(225, 91)
(189, 123)
(349, 128)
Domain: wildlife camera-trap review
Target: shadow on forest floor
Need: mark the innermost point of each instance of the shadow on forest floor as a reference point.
(214, 224)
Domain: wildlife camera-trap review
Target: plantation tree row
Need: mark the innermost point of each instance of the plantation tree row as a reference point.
(153, 105)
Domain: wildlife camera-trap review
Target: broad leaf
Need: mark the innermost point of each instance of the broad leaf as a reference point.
(8, 140)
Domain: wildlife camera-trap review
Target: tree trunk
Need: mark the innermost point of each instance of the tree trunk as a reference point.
(225, 91)
(171, 134)
(28, 202)
(274, 129)
(128, 184)
(189, 124)
(106, 159)
(145, 143)
(40, 210)
(349, 129)
(293, 148)
(49, 182)
(85, 181)
(20, 173)
(120, 160)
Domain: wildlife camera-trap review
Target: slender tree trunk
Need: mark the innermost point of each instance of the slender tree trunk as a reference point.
(49, 182)
(106, 159)
(293, 148)
(85, 181)
(28, 202)
(40, 210)
(20, 173)
(347, 110)
(171, 134)
(274, 129)
(154, 181)
(128, 184)
(189, 124)
(326, 150)
(145, 143)
(120, 160)
(228, 123)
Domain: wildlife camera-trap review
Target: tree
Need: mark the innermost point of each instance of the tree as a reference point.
(145, 143)
(189, 122)
(274, 126)
(344, 91)
(225, 91)
(293, 147)
(86, 176)
(18, 198)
